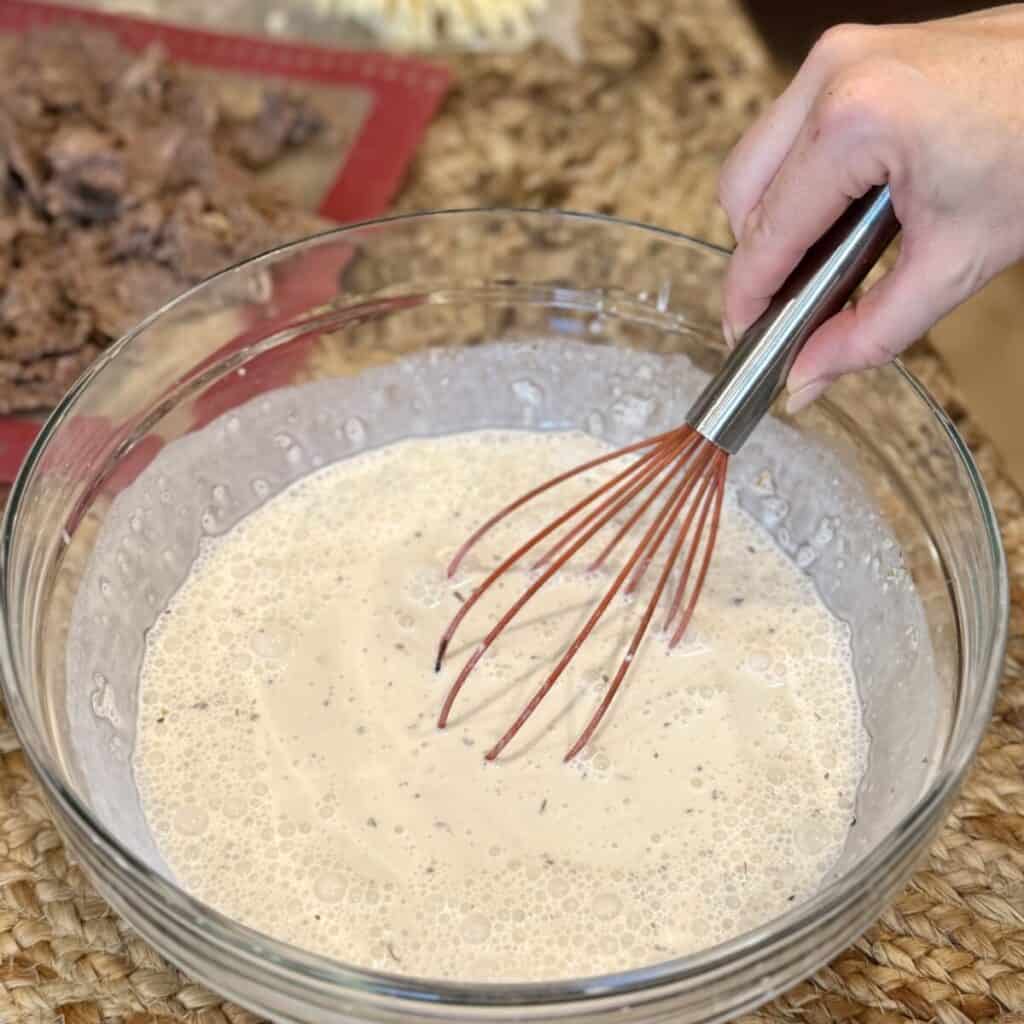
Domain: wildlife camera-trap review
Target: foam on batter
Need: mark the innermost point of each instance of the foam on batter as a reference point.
(294, 778)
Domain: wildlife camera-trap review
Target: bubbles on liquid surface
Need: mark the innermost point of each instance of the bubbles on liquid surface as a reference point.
(476, 929)
(355, 431)
(330, 887)
(318, 732)
(191, 821)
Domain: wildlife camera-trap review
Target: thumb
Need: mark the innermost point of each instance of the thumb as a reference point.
(928, 280)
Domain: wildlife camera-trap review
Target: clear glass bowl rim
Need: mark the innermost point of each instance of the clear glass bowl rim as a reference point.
(353, 981)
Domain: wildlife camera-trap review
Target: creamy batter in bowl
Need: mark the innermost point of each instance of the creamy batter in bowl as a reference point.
(444, 323)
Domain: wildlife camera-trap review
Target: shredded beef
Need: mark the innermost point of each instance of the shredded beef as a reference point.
(122, 182)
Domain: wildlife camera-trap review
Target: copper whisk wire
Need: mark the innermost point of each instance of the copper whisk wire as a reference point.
(688, 464)
(679, 461)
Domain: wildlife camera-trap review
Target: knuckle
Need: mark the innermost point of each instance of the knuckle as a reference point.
(857, 105)
(842, 43)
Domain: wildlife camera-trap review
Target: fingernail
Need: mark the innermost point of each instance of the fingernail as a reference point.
(727, 331)
(804, 395)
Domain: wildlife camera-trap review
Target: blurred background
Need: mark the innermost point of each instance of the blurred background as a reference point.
(625, 108)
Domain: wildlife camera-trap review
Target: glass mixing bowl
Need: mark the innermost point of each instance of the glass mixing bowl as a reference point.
(300, 356)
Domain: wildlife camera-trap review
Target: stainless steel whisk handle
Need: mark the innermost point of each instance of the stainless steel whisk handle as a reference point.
(754, 373)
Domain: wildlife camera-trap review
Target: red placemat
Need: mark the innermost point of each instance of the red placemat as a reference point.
(404, 92)
(389, 99)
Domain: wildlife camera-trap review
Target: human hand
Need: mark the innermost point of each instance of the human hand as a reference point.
(937, 111)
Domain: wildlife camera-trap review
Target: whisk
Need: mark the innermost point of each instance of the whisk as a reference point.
(677, 478)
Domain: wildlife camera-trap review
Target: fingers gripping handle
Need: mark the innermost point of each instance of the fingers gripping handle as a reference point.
(742, 392)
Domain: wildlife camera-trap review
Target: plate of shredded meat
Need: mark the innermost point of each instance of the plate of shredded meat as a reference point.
(138, 158)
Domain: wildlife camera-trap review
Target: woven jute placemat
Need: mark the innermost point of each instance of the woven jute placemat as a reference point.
(639, 129)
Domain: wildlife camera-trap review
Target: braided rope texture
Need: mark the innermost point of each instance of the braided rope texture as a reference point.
(638, 129)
